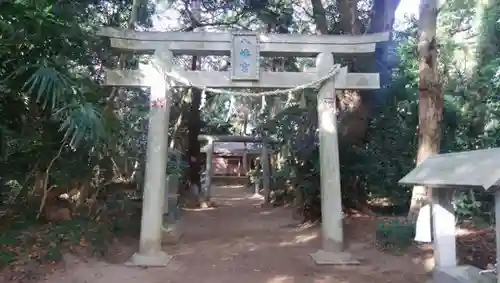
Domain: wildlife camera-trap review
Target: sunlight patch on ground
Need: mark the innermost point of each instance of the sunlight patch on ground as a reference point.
(383, 202)
(305, 226)
(464, 232)
(233, 198)
(281, 279)
(469, 232)
(328, 278)
(300, 239)
(230, 186)
(199, 208)
(257, 196)
(253, 248)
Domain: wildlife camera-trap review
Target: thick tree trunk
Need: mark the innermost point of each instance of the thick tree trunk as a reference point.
(190, 195)
(382, 19)
(430, 100)
(355, 105)
(319, 14)
(193, 121)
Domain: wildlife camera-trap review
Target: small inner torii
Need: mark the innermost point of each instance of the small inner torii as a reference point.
(264, 157)
(245, 49)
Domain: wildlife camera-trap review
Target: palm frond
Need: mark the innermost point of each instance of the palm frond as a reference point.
(63, 96)
(50, 85)
(81, 121)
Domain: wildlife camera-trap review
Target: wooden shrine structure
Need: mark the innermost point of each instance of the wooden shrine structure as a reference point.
(443, 174)
(264, 156)
(232, 159)
(245, 50)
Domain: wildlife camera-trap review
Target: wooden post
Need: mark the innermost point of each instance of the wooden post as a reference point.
(168, 181)
(245, 163)
(171, 186)
(245, 160)
(240, 160)
(331, 197)
(497, 230)
(170, 152)
(443, 228)
(210, 171)
(178, 159)
(256, 187)
(150, 253)
(272, 170)
(256, 181)
(265, 173)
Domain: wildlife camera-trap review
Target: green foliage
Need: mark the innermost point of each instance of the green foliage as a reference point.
(58, 124)
(51, 82)
(46, 242)
(30, 240)
(474, 207)
(255, 175)
(394, 235)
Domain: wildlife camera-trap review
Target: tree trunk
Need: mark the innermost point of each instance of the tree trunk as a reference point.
(191, 193)
(382, 19)
(354, 105)
(430, 100)
(193, 153)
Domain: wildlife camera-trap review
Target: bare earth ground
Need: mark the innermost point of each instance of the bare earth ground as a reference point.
(241, 242)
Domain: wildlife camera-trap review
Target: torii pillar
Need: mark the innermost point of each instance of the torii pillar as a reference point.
(332, 231)
(150, 252)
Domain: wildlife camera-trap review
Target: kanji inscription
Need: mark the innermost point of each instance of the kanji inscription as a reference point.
(245, 57)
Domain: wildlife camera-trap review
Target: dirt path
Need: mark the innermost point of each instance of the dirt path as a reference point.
(242, 242)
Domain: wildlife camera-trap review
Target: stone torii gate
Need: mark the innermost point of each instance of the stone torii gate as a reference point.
(245, 50)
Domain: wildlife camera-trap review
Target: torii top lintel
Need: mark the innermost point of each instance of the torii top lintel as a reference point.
(245, 50)
(219, 43)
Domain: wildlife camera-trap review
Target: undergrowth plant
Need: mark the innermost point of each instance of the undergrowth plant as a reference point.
(395, 235)
(31, 240)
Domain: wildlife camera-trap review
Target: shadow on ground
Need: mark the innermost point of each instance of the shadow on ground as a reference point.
(242, 242)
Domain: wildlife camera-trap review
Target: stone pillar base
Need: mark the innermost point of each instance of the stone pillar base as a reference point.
(462, 274)
(153, 259)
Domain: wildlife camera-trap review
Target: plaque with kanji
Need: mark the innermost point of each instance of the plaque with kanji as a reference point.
(245, 56)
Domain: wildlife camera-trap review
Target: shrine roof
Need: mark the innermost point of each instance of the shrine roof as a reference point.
(234, 148)
(477, 169)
